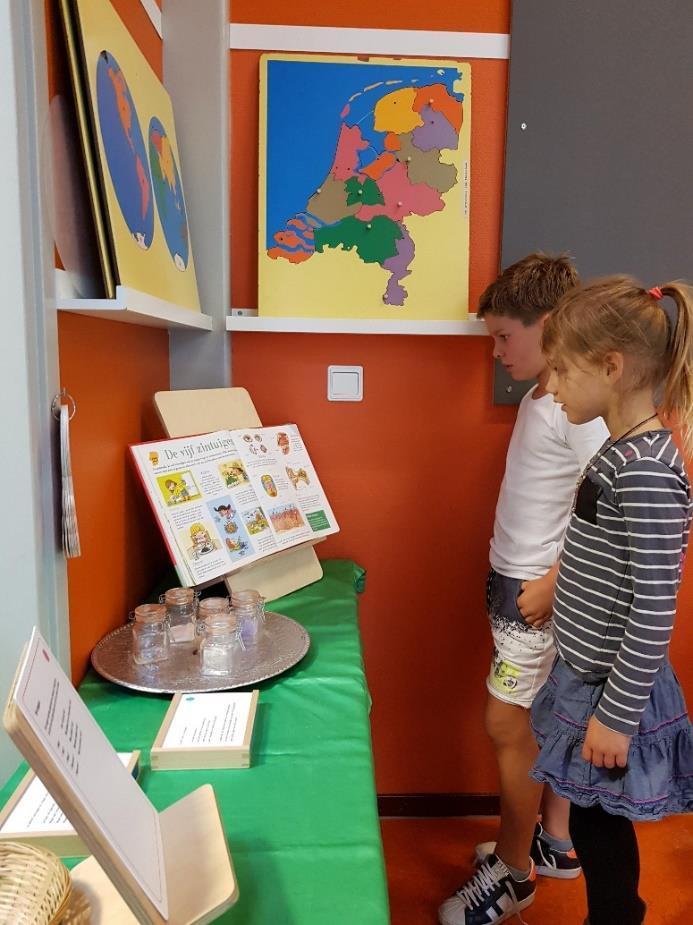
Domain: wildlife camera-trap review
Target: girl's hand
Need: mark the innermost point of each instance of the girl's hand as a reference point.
(535, 602)
(603, 747)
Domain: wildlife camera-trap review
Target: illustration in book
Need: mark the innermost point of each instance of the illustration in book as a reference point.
(230, 526)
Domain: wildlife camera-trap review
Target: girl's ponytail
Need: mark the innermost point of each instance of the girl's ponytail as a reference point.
(677, 400)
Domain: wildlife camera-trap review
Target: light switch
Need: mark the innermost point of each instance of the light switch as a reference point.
(345, 383)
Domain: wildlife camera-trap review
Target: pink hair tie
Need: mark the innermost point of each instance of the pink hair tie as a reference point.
(655, 292)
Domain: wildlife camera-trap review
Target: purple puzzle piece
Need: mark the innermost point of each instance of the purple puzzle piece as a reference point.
(436, 132)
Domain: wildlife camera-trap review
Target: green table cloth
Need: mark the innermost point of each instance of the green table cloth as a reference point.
(302, 821)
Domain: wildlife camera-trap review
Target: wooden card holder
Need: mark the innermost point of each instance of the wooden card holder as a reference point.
(200, 878)
(56, 834)
(204, 757)
(197, 411)
(156, 868)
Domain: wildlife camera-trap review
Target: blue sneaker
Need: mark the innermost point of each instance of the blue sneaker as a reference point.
(490, 897)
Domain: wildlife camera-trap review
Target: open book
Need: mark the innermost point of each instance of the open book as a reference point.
(229, 498)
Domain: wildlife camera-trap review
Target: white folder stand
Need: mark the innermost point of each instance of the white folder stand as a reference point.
(155, 868)
(200, 878)
(198, 411)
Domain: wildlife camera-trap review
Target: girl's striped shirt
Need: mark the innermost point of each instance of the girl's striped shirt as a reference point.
(620, 571)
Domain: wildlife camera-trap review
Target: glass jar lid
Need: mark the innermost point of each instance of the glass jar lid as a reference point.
(150, 613)
(246, 597)
(179, 596)
(209, 605)
(220, 622)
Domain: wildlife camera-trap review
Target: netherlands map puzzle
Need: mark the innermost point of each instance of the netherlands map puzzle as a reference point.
(364, 187)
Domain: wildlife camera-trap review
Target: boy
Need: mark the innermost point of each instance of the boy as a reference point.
(545, 457)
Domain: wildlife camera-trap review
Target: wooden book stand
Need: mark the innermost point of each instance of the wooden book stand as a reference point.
(197, 411)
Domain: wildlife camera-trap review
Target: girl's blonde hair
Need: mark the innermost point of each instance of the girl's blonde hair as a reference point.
(618, 314)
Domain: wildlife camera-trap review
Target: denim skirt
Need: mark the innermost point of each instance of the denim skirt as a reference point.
(658, 778)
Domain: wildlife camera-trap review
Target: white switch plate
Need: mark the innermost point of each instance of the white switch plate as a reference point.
(345, 383)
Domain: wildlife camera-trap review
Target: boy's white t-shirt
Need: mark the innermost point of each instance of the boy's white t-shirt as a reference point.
(545, 458)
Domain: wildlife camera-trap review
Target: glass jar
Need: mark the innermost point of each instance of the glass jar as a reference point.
(221, 645)
(249, 607)
(150, 642)
(180, 606)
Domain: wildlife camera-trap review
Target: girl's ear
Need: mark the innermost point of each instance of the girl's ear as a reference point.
(613, 366)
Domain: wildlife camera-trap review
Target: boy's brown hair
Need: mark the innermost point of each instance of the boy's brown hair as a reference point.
(530, 288)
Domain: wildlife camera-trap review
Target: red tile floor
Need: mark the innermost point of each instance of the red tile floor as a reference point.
(427, 859)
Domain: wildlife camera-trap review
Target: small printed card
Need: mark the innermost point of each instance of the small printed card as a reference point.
(31, 815)
(211, 730)
(71, 544)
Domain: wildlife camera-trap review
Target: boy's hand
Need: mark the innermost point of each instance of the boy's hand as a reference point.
(605, 748)
(535, 602)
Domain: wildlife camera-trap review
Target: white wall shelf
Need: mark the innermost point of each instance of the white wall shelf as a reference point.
(324, 39)
(136, 307)
(277, 324)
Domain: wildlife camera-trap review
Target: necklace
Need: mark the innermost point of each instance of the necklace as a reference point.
(595, 459)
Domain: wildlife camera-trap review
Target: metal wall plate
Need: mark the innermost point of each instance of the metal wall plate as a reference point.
(505, 390)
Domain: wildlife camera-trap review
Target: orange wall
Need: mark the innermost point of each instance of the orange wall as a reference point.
(470, 16)
(426, 425)
(427, 399)
(427, 404)
(112, 370)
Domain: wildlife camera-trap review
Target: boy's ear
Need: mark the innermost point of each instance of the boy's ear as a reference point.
(542, 319)
(613, 366)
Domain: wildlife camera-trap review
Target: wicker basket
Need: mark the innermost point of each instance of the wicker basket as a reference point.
(34, 885)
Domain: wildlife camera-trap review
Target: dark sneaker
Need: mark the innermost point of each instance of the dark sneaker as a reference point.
(490, 897)
(563, 865)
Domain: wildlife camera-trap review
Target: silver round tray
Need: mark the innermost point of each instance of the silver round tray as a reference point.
(282, 645)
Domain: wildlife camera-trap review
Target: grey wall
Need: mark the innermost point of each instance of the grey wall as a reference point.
(604, 166)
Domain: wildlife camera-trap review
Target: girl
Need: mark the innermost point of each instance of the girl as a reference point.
(611, 721)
